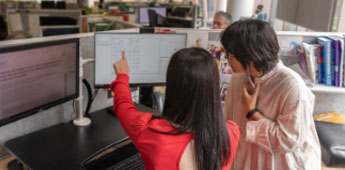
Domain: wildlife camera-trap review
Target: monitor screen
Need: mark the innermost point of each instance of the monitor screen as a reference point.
(148, 56)
(59, 31)
(47, 4)
(37, 76)
(143, 14)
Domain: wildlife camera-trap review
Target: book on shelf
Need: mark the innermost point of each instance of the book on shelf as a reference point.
(342, 61)
(326, 56)
(302, 60)
(312, 53)
(340, 53)
(319, 62)
(334, 60)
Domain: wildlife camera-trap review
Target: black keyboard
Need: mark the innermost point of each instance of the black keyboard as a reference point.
(126, 157)
(132, 163)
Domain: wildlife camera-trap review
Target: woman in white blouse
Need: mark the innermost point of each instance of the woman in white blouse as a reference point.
(270, 103)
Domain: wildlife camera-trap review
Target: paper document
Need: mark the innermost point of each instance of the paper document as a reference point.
(34, 25)
(15, 22)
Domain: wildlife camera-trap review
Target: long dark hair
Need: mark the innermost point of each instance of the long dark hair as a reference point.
(252, 40)
(193, 103)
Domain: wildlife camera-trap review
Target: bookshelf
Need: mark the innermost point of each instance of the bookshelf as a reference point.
(318, 88)
(321, 88)
(286, 37)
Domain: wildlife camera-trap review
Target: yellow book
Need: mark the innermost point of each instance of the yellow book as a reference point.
(330, 117)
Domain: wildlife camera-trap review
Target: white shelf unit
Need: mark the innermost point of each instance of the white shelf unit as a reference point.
(285, 38)
(27, 22)
(319, 88)
(327, 89)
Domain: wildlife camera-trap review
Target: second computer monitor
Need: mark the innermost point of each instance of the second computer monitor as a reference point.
(143, 13)
(148, 56)
(37, 76)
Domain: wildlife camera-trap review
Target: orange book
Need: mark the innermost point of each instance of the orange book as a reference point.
(330, 117)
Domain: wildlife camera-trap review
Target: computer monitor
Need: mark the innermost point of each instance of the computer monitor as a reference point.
(61, 4)
(144, 16)
(48, 4)
(37, 76)
(55, 20)
(148, 56)
(182, 11)
(155, 19)
(60, 30)
(178, 22)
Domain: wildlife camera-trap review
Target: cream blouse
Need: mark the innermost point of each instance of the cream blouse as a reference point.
(286, 138)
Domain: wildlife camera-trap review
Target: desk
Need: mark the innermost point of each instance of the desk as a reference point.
(65, 146)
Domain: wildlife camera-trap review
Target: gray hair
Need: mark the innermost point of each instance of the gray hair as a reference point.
(226, 16)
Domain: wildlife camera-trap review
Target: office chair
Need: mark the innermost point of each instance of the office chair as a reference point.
(159, 101)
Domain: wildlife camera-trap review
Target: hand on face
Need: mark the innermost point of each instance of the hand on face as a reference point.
(250, 96)
(121, 66)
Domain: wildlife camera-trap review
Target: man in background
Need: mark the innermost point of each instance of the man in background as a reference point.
(221, 20)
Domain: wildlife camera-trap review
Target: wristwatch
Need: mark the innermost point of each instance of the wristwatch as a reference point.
(251, 112)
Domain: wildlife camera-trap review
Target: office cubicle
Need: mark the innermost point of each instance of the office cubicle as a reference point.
(37, 23)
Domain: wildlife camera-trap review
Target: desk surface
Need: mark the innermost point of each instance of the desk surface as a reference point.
(66, 146)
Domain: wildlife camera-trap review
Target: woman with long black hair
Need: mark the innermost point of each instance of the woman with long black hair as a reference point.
(192, 132)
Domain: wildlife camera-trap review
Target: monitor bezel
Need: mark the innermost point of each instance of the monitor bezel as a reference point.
(46, 106)
(105, 86)
(139, 17)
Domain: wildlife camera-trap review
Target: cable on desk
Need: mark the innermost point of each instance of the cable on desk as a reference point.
(91, 97)
(73, 106)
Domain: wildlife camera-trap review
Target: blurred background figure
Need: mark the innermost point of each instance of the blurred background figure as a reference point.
(221, 20)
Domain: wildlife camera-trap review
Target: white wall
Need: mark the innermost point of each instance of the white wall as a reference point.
(240, 8)
(221, 5)
(341, 26)
(280, 25)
